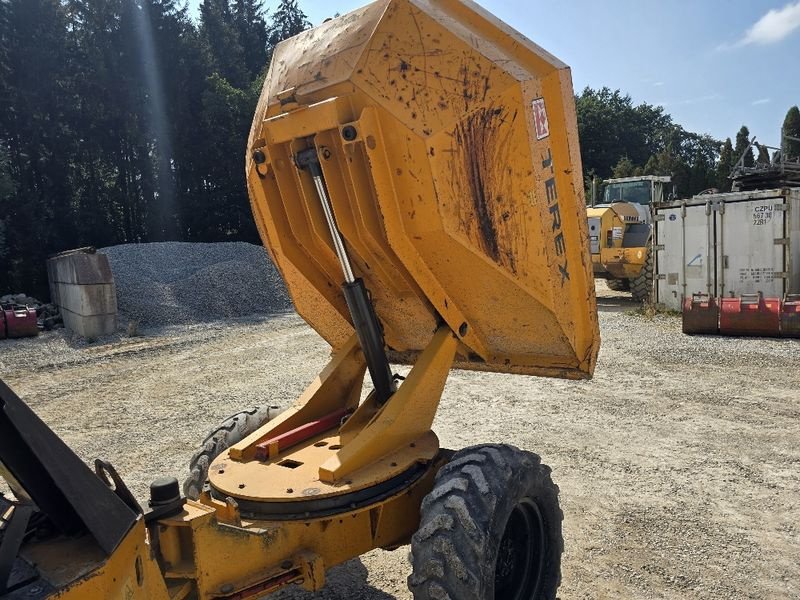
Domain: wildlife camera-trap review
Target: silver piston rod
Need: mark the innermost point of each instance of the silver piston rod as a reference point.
(365, 321)
(338, 242)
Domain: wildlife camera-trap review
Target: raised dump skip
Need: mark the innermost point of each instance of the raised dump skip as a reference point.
(449, 149)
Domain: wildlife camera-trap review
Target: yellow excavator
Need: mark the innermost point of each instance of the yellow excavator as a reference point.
(414, 172)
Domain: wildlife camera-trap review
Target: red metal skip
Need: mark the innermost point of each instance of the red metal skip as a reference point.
(790, 316)
(700, 314)
(20, 321)
(750, 314)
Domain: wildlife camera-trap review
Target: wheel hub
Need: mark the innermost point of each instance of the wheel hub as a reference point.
(520, 557)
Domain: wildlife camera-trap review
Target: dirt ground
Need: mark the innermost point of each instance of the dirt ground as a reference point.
(679, 463)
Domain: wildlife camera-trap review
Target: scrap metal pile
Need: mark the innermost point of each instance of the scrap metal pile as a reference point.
(783, 170)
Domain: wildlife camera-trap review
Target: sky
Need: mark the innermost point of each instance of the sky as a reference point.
(714, 65)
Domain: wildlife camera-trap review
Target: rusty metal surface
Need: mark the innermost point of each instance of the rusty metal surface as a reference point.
(700, 315)
(750, 314)
(460, 197)
(19, 321)
(790, 316)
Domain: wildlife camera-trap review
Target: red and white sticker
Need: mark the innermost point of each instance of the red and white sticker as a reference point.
(540, 119)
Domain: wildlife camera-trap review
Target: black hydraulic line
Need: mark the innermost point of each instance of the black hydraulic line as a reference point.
(365, 321)
(370, 336)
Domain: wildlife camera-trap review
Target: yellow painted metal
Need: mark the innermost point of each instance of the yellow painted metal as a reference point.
(131, 573)
(337, 386)
(375, 444)
(623, 263)
(614, 260)
(452, 202)
(405, 419)
(297, 473)
(220, 554)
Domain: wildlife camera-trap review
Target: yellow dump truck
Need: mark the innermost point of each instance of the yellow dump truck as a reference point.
(414, 172)
(620, 233)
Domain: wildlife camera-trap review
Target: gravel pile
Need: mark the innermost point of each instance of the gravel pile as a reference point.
(171, 283)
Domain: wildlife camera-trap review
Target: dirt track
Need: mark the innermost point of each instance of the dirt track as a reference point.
(678, 464)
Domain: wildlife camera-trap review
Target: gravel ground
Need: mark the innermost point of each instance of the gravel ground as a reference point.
(170, 283)
(678, 463)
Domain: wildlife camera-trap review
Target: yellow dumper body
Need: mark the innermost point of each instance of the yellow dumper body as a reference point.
(450, 152)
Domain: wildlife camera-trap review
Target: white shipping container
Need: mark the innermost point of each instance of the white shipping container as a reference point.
(728, 245)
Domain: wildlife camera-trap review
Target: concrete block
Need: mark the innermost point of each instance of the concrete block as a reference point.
(82, 285)
(80, 268)
(88, 300)
(89, 326)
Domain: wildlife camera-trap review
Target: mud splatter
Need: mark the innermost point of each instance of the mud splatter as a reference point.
(484, 155)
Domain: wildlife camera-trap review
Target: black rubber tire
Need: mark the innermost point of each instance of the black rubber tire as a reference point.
(642, 286)
(618, 285)
(470, 526)
(231, 431)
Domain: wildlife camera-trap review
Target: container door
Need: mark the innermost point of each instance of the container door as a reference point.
(684, 254)
(750, 247)
(792, 257)
(698, 266)
(669, 256)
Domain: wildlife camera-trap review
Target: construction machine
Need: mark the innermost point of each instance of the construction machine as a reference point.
(414, 172)
(620, 233)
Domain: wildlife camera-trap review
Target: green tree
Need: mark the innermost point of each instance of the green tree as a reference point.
(122, 121)
(251, 26)
(610, 127)
(723, 183)
(226, 118)
(219, 32)
(702, 174)
(37, 141)
(623, 168)
(742, 148)
(7, 189)
(287, 21)
(791, 127)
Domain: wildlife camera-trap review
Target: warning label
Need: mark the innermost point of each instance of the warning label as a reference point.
(540, 119)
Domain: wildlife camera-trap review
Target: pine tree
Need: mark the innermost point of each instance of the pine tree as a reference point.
(791, 127)
(742, 143)
(287, 21)
(38, 144)
(723, 183)
(251, 27)
(221, 37)
(226, 118)
(623, 168)
(652, 166)
(7, 189)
